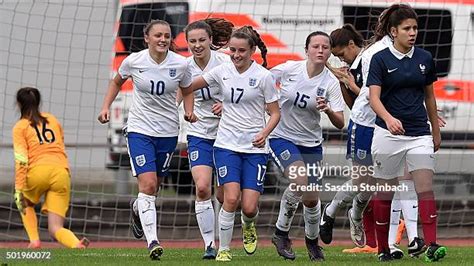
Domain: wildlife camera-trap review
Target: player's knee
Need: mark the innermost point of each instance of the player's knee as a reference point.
(310, 203)
(232, 200)
(250, 210)
(203, 192)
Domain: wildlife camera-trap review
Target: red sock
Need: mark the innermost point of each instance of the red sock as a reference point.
(382, 205)
(428, 215)
(369, 225)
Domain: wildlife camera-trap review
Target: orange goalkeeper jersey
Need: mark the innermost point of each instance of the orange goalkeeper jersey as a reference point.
(40, 145)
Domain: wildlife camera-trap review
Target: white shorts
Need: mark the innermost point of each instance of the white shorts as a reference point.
(391, 153)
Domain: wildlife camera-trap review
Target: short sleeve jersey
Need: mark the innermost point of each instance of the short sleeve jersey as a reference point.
(300, 118)
(244, 97)
(403, 78)
(361, 112)
(153, 111)
(205, 98)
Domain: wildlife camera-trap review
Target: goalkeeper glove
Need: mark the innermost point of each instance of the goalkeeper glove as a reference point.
(19, 201)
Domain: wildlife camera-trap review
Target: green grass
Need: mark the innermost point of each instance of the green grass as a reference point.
(263, 256)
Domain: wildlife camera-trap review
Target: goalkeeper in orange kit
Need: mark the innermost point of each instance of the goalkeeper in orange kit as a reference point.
(41, 168)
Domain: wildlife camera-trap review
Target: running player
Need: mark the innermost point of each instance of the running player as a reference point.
(241, 146)
(41, 168)
(204, 37)
(308, 89)
(153, 124)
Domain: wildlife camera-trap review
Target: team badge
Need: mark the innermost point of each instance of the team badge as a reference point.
(194, 155)
(140, 160)
(252, 82)
(422, 69)
(285, 155)
(320, 92)
(222, 171)
(173, 72)
(358, 77)
(361, 154)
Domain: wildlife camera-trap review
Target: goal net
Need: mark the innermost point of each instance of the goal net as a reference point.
(70, 50)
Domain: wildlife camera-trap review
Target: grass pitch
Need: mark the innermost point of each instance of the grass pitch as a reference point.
(263, 256)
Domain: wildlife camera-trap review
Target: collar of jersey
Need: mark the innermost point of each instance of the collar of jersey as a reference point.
(400, 55)
(154, 62)
(246, 72)
(306, 71)
(356, 62)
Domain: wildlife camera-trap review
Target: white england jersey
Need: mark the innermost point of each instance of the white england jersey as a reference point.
(244, 98)
(361, 112)
(153, 111)
(205, 98)
(300, 116)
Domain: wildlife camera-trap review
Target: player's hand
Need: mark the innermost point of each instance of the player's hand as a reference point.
(259, 140)
(217, 108)
(322, 104)
(104, 116)
(20, 201)
(190, 117)
(441, 121)
(436, 141)
(395, 126)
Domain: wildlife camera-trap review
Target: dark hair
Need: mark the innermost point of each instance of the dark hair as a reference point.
(392, 17)
(316, 33)
(29, 100)
(218, 28)
(253, 38)
(342, 36)
(154, 22)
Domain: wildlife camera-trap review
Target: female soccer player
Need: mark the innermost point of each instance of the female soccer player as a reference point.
(152, 126)
(401, 83)
(41, 168)
(308, 89)
(241, 146)
(204, 37)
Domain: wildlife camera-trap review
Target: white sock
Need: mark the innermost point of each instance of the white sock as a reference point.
(409, 201)
(341, 200)
(147, 212)
(359, 203)
(226, 228)
(311, 220)
(394, 220)
(288, 206)
(247, 220)
(206, 220)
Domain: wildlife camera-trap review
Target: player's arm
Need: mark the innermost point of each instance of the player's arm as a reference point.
(20, 150)
(273, 109)
(188, 101)
(393, 125)
(346, 95)
(430, 102)
(374, 82)
(336, 118)
(112, 91)
(333, 106)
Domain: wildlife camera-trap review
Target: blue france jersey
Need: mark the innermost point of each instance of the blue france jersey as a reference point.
(403, 78)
